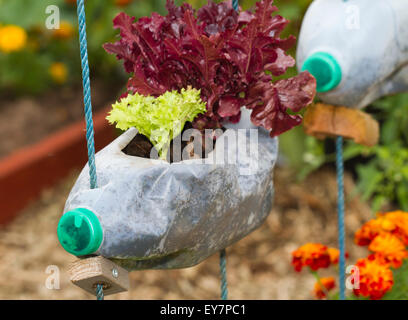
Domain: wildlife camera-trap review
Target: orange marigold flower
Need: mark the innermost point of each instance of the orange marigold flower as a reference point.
(328, 284)
(368, 232)
(375, 278)
(395, 222)
(313, 255)
(390, 247)
(335, 255)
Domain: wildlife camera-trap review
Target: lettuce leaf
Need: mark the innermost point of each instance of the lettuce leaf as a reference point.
(223, 53)
(161, 118)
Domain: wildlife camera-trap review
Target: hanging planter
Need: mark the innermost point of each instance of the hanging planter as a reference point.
(167, 201)
(350, 77)
(351, 71)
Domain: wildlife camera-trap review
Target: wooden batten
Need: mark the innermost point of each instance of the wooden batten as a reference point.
(322, 120)
(88, 273)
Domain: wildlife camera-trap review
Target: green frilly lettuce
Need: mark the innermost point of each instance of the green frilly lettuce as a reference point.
(159, 119)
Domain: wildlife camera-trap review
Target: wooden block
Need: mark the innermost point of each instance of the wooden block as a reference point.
(322, 120)
(88, 273)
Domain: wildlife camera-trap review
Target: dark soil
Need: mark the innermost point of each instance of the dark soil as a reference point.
(140, 146)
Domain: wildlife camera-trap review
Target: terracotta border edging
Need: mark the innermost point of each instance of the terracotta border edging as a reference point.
(28, 171)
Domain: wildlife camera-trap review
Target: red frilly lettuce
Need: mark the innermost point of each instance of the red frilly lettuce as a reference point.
(224, 53)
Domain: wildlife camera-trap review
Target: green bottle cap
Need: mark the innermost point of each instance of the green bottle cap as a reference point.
(80, 232)
(325, 68)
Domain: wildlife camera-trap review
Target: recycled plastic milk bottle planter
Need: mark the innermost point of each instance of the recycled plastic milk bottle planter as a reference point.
(150, 214)
(357, 50)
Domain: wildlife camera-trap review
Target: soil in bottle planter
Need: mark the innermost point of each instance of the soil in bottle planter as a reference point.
(140, 146)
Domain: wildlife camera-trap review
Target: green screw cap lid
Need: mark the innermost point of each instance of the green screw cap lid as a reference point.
(325, 68)
(80, 232)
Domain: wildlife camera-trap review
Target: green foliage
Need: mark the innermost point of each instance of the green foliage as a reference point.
(33, 80)
(393, 113)
(399, 290)
(28, 71)
(385, 177)
(11, 12)
(304, 154)
(159, 119)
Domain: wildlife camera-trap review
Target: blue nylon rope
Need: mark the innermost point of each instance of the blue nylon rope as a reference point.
(223, 253)
(223, 272)
(340, 216)
(235, 5)
(87, 92)
(87, 107)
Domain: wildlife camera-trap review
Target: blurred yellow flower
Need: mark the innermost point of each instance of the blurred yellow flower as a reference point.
(12, 38)
(65, 31)
(59, 72)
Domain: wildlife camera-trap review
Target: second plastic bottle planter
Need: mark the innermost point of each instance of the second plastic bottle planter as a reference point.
(357, 50)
